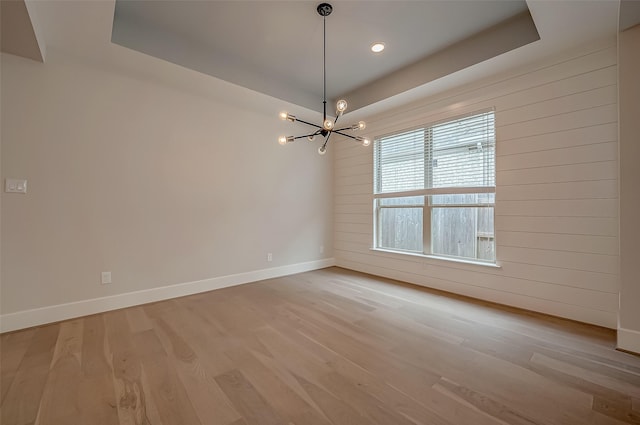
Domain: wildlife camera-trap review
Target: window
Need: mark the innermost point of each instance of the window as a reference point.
(434, 189)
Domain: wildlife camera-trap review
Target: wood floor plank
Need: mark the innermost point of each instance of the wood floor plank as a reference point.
(58, 403)
(618, 409)
(457, 409)
(287, 376)
(13, 347)
(375, 410)
(391, 379)
(337, 410)
(277, 393)
(20, 405)
(487, 404)
(619, 385)
(208, 399)
(138, 319)
(166, 388)
(247, 400)
(96, 393)
(420, 408)
(205, 338)
(132, 401)
(328, 347)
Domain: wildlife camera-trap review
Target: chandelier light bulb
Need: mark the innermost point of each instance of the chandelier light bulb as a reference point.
(282, 140)
(341, 106)
(365, 141)
(322, 150)
(285, 116)
(359, 126)
(328, 124)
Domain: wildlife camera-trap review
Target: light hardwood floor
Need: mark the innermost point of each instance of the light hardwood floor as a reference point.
(325, 347)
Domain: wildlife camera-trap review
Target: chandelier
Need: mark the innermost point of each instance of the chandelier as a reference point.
(328, 126)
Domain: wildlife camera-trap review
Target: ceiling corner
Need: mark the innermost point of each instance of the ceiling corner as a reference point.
(629, 14)
(19, 31)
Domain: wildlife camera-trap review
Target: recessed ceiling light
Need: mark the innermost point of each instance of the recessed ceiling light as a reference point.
(377, 47)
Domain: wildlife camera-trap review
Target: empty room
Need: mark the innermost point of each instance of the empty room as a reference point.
(320, 213)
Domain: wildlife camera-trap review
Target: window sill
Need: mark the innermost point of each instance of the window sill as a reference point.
(436, 257)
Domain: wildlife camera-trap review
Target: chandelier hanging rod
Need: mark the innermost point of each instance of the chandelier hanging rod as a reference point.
(324, 11)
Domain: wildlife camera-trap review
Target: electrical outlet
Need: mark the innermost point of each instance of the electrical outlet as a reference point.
(106, 278)
(269, 256)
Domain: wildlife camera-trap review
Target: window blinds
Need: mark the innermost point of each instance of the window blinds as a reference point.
(456, 153)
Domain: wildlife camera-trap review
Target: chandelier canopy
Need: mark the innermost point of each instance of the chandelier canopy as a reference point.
(328, 126)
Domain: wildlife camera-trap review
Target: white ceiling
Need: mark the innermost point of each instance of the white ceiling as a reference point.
(275, 47)
(82, 29)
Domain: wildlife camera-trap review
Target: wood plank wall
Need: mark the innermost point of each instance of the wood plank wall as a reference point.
(556, 197)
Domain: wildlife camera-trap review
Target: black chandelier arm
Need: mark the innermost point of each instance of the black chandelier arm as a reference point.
(306, 135)
(345, 134)
(308, 123)
(343, 129)
(326, 140)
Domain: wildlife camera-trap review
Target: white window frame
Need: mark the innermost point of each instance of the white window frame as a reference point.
(427, 206)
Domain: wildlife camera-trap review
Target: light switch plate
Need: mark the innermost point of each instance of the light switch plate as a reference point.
(15, 186)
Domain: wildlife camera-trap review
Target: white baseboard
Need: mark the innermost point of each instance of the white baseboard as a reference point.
(55, 313)
(629, 340)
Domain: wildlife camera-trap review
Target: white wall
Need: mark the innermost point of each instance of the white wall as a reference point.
(158, 185)
(629, 59)
(557, 190)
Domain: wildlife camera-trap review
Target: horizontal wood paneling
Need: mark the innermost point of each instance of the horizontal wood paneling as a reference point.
(561, 88)
(358, 179)
(359, 239)
(363, 228)
(595, 189)
(556, 198)
(564, 156)
(587, 135)
(354, 199)
(559, 208)
(562, 259)
(605, 170)
(353, 208)
(353, 189)
(595, 281)
(348, 170)
(607, 245)
(354, 218)
(560, 105)
(605, 114)
(598, 226)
